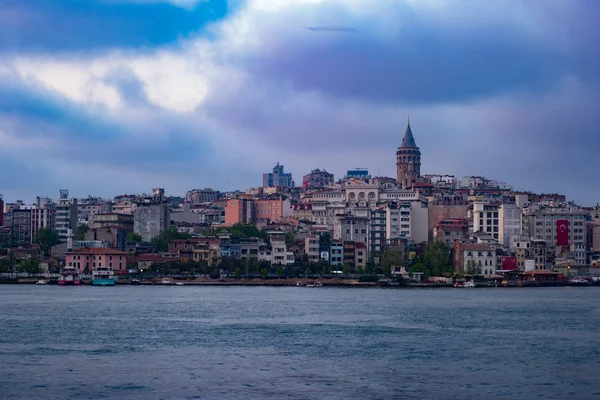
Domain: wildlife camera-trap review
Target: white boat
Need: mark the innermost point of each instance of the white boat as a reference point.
(470, 284)
(166, 281)
(103, 276)
(178, 284)
(41, 282)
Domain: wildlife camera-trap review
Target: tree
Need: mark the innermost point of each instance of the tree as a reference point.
(4, 264)
(238, 272)
(31, 267)
(5, 240)
(81, 231)
(346, 269)
(162, 240)
(434, 260)
(307, 271)
(134, 237)
(392, 258)
(264, 273)
(289, 238)
(46, 238)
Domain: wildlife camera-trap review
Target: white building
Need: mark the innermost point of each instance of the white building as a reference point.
(66, 215)
(486, 218)
(509, 223)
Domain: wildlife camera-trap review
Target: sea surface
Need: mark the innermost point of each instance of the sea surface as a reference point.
(298, 343)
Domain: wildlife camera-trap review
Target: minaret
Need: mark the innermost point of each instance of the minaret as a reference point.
(408, 160)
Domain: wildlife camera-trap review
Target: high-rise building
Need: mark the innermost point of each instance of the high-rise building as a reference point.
(151, 216)
(408, 160)
(278, 178)
(21, 227)
(66, 215)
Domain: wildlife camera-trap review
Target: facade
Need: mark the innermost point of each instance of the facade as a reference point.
(486, 218)
(114, 236)
(317, 179)
(201, 196)
(1, 211)
(66, 215)
(303, 212)
(360, 256)
(481, 255)
(509, 220)
(408, 160)
(336, 254)
(563, 229)
(452, 230)
(271, 209)
(278, 250)
(238, 211)
(151, 218)
(21, 227)
(86, 259)
(278, 178)
(312, 249)
(112, 219)
(353, 229)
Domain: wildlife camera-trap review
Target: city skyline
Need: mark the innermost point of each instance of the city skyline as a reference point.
(219, 92)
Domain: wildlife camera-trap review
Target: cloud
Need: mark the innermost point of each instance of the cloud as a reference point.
(490, 87)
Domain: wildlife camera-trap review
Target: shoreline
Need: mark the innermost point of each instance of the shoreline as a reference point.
(290, 282)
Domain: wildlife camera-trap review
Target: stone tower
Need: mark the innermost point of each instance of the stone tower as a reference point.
(408, 160)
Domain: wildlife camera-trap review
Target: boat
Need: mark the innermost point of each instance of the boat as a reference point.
(314, 284)
(178, 284)
(103, 276)
(578, 282)
(42, 282)
(470, 284)
(136, 282)
(459, 284)
(166, 281)
(69, 276)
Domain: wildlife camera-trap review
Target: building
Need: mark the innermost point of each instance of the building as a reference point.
(115, 237)
(482, 256)
(86, 259)
(278, 178)
(201, 196)
(563, 228)
(452, 230)
(271, 209)
(352, 229)
(509, 223)
(486, 217)
(303, 212)
(312, 248)
(279, 250)
(358, 173)
(151, 216)
(116, 220)
(360, 256)
(66, 215)
(21, 227)
(1, 211)
(408, 160)
(336, 254)
(317, 179)
(238, 211)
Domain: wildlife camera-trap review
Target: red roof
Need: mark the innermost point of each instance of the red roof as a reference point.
(98, 250)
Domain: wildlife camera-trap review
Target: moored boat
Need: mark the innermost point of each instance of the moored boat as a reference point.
(103, 276)
(69, 276)
(470, 284)
(136, 282)
(42, 282)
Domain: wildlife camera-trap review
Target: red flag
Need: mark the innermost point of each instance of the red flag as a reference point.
(562, 232)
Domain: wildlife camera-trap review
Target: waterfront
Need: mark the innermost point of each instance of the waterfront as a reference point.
(297, 343)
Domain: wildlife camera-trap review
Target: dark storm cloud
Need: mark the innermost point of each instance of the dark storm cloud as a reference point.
(90, 25)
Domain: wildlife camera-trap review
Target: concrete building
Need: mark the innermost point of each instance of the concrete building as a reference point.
(352, 229)
(408, 160)
(277, 178)
(279, 250)
(238, 211)
(317, 179)
(312, 249)
(21, 227)
(482, 255)
(114, 220)
(336, 254)
(114, 236)
(562, 227)
(201, 196)
(66, 215)
(271, 209)
(151, 216)
(486, 218)
(509, 223)
(1, 211)
(452, 230)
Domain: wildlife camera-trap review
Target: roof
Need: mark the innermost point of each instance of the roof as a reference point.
(98, 250)
(476, 247)
(408, 140)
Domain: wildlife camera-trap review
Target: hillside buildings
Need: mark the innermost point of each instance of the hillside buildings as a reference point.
(277, 178)
(151, 215)
(317, 179)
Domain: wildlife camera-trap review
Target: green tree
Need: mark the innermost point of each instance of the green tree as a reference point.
(264, 273)
(279, 271)
(46, 238)
(5, 264)
(289, 238)
(392, 258)
(81, 231)
(134, 237)
(434, 260)
(238, 272)
(307, 271)
(346, 269)
(5, 240)
(162, 240)
(31, 267)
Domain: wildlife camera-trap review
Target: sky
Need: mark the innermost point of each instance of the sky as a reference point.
(105, 97)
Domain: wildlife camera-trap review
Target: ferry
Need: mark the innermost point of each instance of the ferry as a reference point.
(69, 276)
(103, 276)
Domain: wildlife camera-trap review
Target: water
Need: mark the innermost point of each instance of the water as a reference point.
(298, 343)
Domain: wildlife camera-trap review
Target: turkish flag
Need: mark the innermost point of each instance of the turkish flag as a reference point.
(562, 232)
